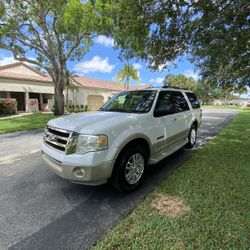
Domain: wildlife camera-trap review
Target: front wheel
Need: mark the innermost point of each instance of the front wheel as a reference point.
(192, 136)
(130, 169)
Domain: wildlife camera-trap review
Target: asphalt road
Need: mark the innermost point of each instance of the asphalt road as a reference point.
(39, 210)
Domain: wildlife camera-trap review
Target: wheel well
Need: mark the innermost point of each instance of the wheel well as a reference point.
(195, 123)
(138, 141)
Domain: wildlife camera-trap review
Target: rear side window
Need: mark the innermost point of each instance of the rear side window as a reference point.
(170, 102)
(193, 100)
(179, 101)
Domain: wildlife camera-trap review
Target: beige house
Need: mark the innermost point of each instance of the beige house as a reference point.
(34, 90)
(23, 83)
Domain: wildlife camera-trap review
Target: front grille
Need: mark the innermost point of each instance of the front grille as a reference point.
(56, 138)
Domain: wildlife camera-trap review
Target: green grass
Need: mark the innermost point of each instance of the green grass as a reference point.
(27, 122)
(214, 184)
(222, 107)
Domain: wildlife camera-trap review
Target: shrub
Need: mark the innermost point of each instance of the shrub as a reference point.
(75, 108)
(8, 106)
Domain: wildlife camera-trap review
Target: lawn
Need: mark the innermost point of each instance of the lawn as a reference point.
(204, 204)
(223, 107)
(27, 122)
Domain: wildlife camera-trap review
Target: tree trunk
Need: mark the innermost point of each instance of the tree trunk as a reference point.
(59, 83)
(226, 101)
(59, 102)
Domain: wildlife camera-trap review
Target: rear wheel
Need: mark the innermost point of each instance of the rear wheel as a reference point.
(192, 136)
(130, 168)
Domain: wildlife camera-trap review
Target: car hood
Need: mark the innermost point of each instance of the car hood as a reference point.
(93, 122)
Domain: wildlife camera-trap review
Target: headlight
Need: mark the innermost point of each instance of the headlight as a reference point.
(81, 144)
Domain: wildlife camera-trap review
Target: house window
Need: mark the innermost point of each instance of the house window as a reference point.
(3, 94)
(46, 97)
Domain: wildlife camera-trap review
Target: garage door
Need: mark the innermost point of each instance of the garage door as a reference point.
(95, 102)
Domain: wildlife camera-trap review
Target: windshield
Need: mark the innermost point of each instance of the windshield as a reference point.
(131, 102)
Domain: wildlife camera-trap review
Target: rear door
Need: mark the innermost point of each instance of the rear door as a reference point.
(197, 112)
(183, 114)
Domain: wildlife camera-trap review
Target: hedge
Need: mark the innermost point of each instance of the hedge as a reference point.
(8, 106)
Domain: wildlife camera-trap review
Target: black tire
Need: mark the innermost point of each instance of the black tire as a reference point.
(191, 140)
(120, 173)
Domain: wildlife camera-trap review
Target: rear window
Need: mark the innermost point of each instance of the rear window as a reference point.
(193, 100)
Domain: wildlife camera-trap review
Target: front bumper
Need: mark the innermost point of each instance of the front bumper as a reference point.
(82, 174)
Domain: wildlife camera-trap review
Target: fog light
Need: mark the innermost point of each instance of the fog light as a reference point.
(78, 172)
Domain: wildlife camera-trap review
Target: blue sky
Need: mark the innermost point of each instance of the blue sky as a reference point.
(102, 62)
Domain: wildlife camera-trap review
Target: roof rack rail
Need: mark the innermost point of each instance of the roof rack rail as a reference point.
(173, 87)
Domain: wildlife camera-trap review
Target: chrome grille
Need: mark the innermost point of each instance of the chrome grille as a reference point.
(56, 138)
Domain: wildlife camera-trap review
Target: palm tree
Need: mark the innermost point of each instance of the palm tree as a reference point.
(70, 84)
(126, 74)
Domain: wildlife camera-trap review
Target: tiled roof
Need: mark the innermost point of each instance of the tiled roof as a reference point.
(98, 84)
(11, 75)
(14, 65)
(81, 80)
(141, 86)
(104, 84)
(40, 77)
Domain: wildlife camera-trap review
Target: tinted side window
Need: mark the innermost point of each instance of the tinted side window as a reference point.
(193, 100)
(164, 105)
(179, 101)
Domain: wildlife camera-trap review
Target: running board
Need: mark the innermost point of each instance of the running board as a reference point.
(163, 155)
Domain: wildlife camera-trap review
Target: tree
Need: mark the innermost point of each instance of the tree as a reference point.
(126, 74)
(207, 92)
(216, 33)
(151, 30)
(240, 90)
(180, 81)
(220, 41)
(55, 31)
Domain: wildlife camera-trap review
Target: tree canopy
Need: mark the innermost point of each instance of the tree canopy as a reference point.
(216, 33)
(151, 30)
(220, 41)
(180, 81)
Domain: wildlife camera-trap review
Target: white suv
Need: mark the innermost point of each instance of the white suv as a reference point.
(117, 142)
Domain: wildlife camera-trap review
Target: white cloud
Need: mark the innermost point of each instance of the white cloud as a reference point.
(190, 73)
(137, 66)
(162, 67)
(104, 40)
(157, 80)
(6, 60)
(96, 64)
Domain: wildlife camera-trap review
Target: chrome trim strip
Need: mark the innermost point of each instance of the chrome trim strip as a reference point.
(58, 136)
(59, 129)
(55, 143)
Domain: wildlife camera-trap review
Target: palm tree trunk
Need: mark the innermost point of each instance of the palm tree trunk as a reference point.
(67, 95)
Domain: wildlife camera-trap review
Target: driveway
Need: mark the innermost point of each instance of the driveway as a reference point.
(39, 210)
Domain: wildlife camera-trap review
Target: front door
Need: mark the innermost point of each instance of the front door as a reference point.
(170, 119)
